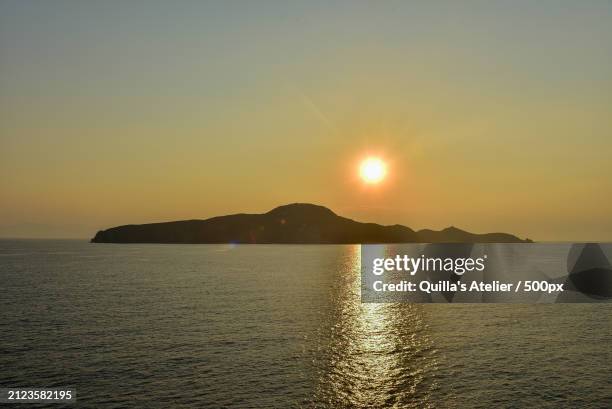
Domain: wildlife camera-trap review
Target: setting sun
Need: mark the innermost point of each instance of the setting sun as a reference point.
(372, 170)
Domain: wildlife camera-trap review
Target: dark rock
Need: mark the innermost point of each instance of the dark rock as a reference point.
(295, 223)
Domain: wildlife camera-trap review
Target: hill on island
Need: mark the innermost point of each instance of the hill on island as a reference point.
(298, 223)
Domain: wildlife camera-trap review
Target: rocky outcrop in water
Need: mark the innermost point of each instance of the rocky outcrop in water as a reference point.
(294, 223)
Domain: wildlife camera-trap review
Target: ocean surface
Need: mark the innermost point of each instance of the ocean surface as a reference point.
(277, 326)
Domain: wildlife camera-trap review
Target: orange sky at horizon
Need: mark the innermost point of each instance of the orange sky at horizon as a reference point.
(492, 118)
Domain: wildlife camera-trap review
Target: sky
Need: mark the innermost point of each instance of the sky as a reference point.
(491, 116)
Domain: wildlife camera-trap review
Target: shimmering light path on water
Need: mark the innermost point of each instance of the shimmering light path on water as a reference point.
(277, 326)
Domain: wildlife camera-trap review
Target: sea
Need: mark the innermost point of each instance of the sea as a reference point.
(277, 326)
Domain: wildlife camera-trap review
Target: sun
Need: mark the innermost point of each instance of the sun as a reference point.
(372, 170)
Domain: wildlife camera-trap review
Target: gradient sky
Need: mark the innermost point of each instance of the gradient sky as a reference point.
(494, 116)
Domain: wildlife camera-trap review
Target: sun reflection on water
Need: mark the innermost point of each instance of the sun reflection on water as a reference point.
(379, 355)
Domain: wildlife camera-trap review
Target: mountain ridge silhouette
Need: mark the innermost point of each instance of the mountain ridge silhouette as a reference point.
(296, 223)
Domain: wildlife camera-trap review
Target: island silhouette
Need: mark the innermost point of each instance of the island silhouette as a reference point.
(298, 223)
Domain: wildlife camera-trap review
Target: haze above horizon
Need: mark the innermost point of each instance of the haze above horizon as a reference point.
(492, 116)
